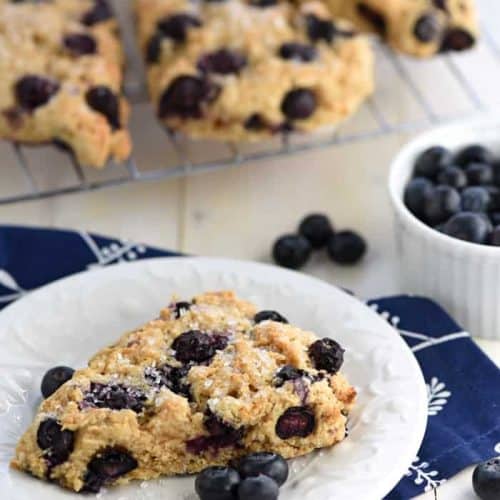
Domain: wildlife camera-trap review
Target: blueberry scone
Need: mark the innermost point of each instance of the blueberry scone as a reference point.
(208, 381)
(240, 71)
(418, 27)
(61, 82)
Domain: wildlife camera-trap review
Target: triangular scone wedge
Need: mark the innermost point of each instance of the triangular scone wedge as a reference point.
(206, 382)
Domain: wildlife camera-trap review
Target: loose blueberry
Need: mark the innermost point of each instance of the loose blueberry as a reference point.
(416, 193)
(494, 192)
(346, 247)
(475, 199)
(475, 153)
(269, 316)
(299, 104)
(113, 396)
(101, 11)
(198, 347)
(172, 377)
(452, 176)
(222, 62)
(265, 463)
(375, 18)
(286, 373)
(297, 421)
(319, 29)
(106, 467)
(34, 91)
(177, 26)
(104, 101)
(291, 251)
(431, 161)
(479, 174)
(440, 204)
(457, 39)
(427, 28)
(54, 378)
(495, 236)
(58, 444)
(486, 479)
(260, 487)
(317, 229)
(80, 44)
(326, 354)
(217, 483)
(495, 218)
(468, 226)
(301, 52)
(186, 96)
(181, 308)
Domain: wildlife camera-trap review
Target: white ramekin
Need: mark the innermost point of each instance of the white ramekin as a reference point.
(462, 277)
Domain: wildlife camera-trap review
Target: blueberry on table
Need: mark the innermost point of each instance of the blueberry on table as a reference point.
(475, 199)
(495, 218)
(346, 247)
(291, 251)
(268, 464)
(479, 174)
(431, 161)
(440, 204)
(269, 316)
(217, 483)
(486, 479)
(475, 153)
(317, 229)
(415, 194)
(452, 176)
(468, 226)
(258, 488)
(54, 378)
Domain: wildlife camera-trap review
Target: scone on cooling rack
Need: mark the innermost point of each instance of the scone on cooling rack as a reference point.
(421, 28)
(61, 79)
(237, 70)
(208, 381)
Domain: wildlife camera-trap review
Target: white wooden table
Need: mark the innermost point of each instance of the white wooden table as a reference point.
(238, 212)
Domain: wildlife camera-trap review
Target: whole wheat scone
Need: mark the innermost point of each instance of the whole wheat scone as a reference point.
(61, 82)
(418, 27)
(208, 381)
(234, 70)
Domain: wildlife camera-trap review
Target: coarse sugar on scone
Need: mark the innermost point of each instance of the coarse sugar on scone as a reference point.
(61, 83)
(238, 71)
(201, 385)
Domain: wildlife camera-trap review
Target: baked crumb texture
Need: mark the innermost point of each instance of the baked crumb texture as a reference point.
(421, 28)
(196, 387)
(237, 70)
(61, 64)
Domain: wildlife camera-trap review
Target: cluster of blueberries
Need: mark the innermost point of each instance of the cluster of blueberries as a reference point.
(457, 194)
(256, 476)
(315, 233)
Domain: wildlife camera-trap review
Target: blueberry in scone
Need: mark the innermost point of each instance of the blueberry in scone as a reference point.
(238, 70)
(420, 28)
(207, 383)
(62, 79)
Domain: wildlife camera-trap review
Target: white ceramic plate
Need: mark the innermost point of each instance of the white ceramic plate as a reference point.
(66, 322)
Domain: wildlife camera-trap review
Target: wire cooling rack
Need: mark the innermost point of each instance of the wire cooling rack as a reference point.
(411, 94)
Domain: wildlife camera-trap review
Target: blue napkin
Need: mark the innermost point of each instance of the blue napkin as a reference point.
(462, 383)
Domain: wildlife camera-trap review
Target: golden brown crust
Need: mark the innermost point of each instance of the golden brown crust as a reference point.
(31, 43)
(237, 386)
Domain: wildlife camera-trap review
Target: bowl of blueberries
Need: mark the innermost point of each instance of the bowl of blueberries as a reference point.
(445, 190)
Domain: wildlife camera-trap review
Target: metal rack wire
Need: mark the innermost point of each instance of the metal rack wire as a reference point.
(412, 99)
